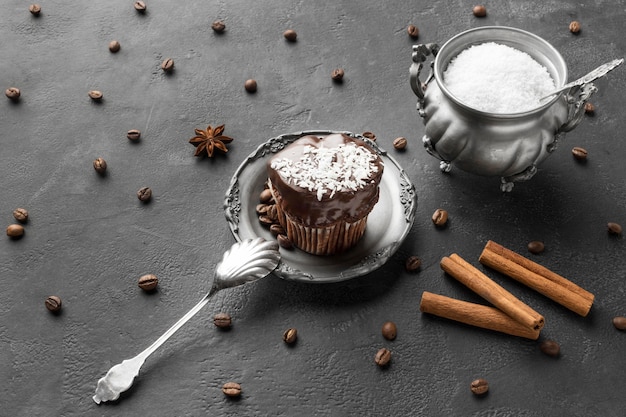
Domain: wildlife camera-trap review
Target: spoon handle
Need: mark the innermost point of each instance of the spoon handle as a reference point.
(601, 71)
(120, 377)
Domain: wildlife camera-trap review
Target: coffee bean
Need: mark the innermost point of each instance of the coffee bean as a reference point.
(35, 9)
(412, 264)
(614, 228)
(20, 214)
(579, 153)
(290, 35)
(479, 386)
(148, 282)
(574, 27)
(440, 217)
(413, 31)
(265, 196)
(284, 241)
(619, 322)
(550, 348)
(144, 194)
(218, 26)
(383, 357)
(479, 10)
(53, 304)
(400, 143)
(389, 330)
(266, 220)
(15, 231)
(337, 74)
(277, 230)
(222, 320)
(133, 134)
(167, 65)
(536, 247)
(13, 93)
(114, 46)
(250, 86)
(262, 208)
(95, 95)
(290, 336)
(100, 165)
(590, 109)
(140, 6)
(370, 135)
(231, 389)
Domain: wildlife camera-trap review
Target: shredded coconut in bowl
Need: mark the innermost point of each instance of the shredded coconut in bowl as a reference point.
(496, 78)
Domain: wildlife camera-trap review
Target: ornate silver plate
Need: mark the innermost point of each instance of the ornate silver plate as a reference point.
(387, 225)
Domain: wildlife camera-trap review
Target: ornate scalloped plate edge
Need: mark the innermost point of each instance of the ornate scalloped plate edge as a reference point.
(297, 265)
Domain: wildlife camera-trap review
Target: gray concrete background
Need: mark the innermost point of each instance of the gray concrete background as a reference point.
(89, 238)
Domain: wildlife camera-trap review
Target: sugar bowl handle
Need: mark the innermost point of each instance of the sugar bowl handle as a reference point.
(576, 98)
(420, 53)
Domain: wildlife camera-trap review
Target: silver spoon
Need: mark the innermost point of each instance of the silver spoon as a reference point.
(601, 71)
(244, 262)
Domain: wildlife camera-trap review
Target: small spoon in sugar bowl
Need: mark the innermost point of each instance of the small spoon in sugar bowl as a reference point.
(244, 262)
(601, 71)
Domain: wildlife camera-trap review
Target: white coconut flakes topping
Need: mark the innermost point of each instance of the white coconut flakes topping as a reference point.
(346, 167)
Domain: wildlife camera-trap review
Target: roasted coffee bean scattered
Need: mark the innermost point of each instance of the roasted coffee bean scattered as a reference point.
(133, 134)
(389, 330)
(266, 220)
(479, 386)
(590, 109)
(579, 153)
(614, 228)
(290, 35)
(15, 231)
(290, 336)
(167, 65)
(479, 10)
(20, 214)
(440, 217)
(95, 95)
(284, 241)
(13, 93)
(53, 304)
(262, 208)
(148, 282)
(144, 194)
(35, 9)
(370, 135)
(550, 348)
(337, 74)
(400, 143)
(265, 196)
(574, 26)
(413, 31)
(140, 6)
(251, 85)
(412, 264)
(114, 46)
(383, 357)
(218, 26)
(536, 247)
(619, 322)
(100, 165)
(231, 389)
(222, 320)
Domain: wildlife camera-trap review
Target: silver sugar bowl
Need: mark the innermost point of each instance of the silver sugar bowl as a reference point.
(511, 145)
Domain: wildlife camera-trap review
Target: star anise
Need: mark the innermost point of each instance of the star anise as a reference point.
(210, 139)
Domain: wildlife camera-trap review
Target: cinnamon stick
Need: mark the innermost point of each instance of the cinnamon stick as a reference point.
(482, 285)
(474, 315)
(537, 277)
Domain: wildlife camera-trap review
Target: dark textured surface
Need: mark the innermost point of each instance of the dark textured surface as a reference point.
(89, 238)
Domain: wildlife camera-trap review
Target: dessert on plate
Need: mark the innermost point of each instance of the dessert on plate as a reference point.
(324, 189)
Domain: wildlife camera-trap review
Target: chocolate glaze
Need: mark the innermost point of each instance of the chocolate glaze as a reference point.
(304, 205)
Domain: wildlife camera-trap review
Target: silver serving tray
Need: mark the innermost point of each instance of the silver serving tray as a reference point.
(387, 226)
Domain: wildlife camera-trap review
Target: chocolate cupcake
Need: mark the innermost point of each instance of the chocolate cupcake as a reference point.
(324, 189)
